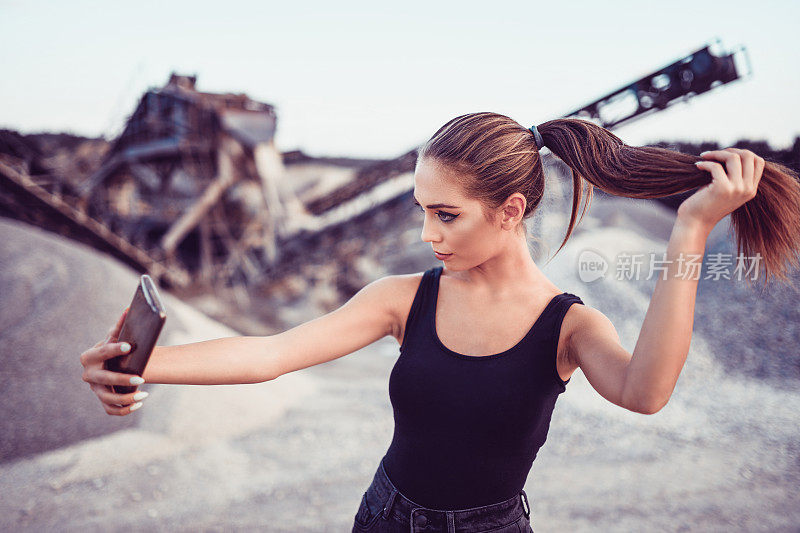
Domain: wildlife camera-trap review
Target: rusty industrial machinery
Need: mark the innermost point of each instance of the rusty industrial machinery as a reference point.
(194, 191)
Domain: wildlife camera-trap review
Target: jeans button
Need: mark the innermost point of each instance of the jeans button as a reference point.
(422, 520)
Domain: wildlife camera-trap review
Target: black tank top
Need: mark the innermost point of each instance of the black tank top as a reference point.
(467, 428)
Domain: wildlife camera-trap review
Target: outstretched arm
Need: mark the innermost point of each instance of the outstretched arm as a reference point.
(367, 317)
(643, 382)
(223, 361)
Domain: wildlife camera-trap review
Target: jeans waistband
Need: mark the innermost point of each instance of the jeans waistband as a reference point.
(446, 520)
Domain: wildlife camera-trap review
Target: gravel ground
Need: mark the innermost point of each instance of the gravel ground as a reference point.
(704, 463)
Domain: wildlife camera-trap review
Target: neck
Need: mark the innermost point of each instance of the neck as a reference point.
(506, 271)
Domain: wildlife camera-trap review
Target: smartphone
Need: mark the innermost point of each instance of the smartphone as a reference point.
(141, 329)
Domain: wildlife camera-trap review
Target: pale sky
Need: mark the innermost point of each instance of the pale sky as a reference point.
(363, 79)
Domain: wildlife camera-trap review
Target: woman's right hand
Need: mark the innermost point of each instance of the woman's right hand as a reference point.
(100, 379)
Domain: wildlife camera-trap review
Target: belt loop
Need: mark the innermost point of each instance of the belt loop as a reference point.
(451, 521)
(387, 509)
(526, 504)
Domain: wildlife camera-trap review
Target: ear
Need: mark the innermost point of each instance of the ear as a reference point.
(512, 210)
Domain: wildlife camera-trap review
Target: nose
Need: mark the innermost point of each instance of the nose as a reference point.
(428, 234)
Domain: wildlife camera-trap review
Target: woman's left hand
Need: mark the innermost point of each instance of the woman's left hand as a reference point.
(712, 202)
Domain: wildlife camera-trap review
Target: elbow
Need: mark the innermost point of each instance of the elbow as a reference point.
(643, 402)
(264, 377)
(649, 410)
(648, 406)
(645, 405)
(267, 363)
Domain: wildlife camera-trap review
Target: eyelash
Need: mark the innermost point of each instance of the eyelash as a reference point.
(422, 210)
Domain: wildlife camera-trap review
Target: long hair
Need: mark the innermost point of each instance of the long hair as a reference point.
(495, 156)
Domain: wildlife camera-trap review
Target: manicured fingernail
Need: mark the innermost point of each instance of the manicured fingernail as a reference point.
(125, 347)
(703, 153)
(136, 406)
(141, 395)
(136, 380)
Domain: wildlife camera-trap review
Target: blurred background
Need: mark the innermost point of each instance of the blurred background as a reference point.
(256, 159)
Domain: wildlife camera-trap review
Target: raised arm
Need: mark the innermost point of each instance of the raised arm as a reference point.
(643, 381)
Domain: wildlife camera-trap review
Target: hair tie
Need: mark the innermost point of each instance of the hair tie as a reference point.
(538, 137)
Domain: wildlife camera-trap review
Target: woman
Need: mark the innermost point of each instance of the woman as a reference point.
(487, 342)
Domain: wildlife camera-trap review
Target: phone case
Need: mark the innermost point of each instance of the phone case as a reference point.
(141, 329)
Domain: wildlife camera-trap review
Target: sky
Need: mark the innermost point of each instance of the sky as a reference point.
(361, 79)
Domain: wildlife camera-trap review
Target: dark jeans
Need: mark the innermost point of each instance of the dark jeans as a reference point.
(384, 509)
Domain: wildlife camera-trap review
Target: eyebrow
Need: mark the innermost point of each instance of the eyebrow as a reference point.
(436, 206)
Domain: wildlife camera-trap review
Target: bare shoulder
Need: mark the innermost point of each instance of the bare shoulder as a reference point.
(594, 347)
(578, 319)
(399, 291)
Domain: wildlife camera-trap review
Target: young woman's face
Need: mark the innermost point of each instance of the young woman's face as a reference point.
(453, 223)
